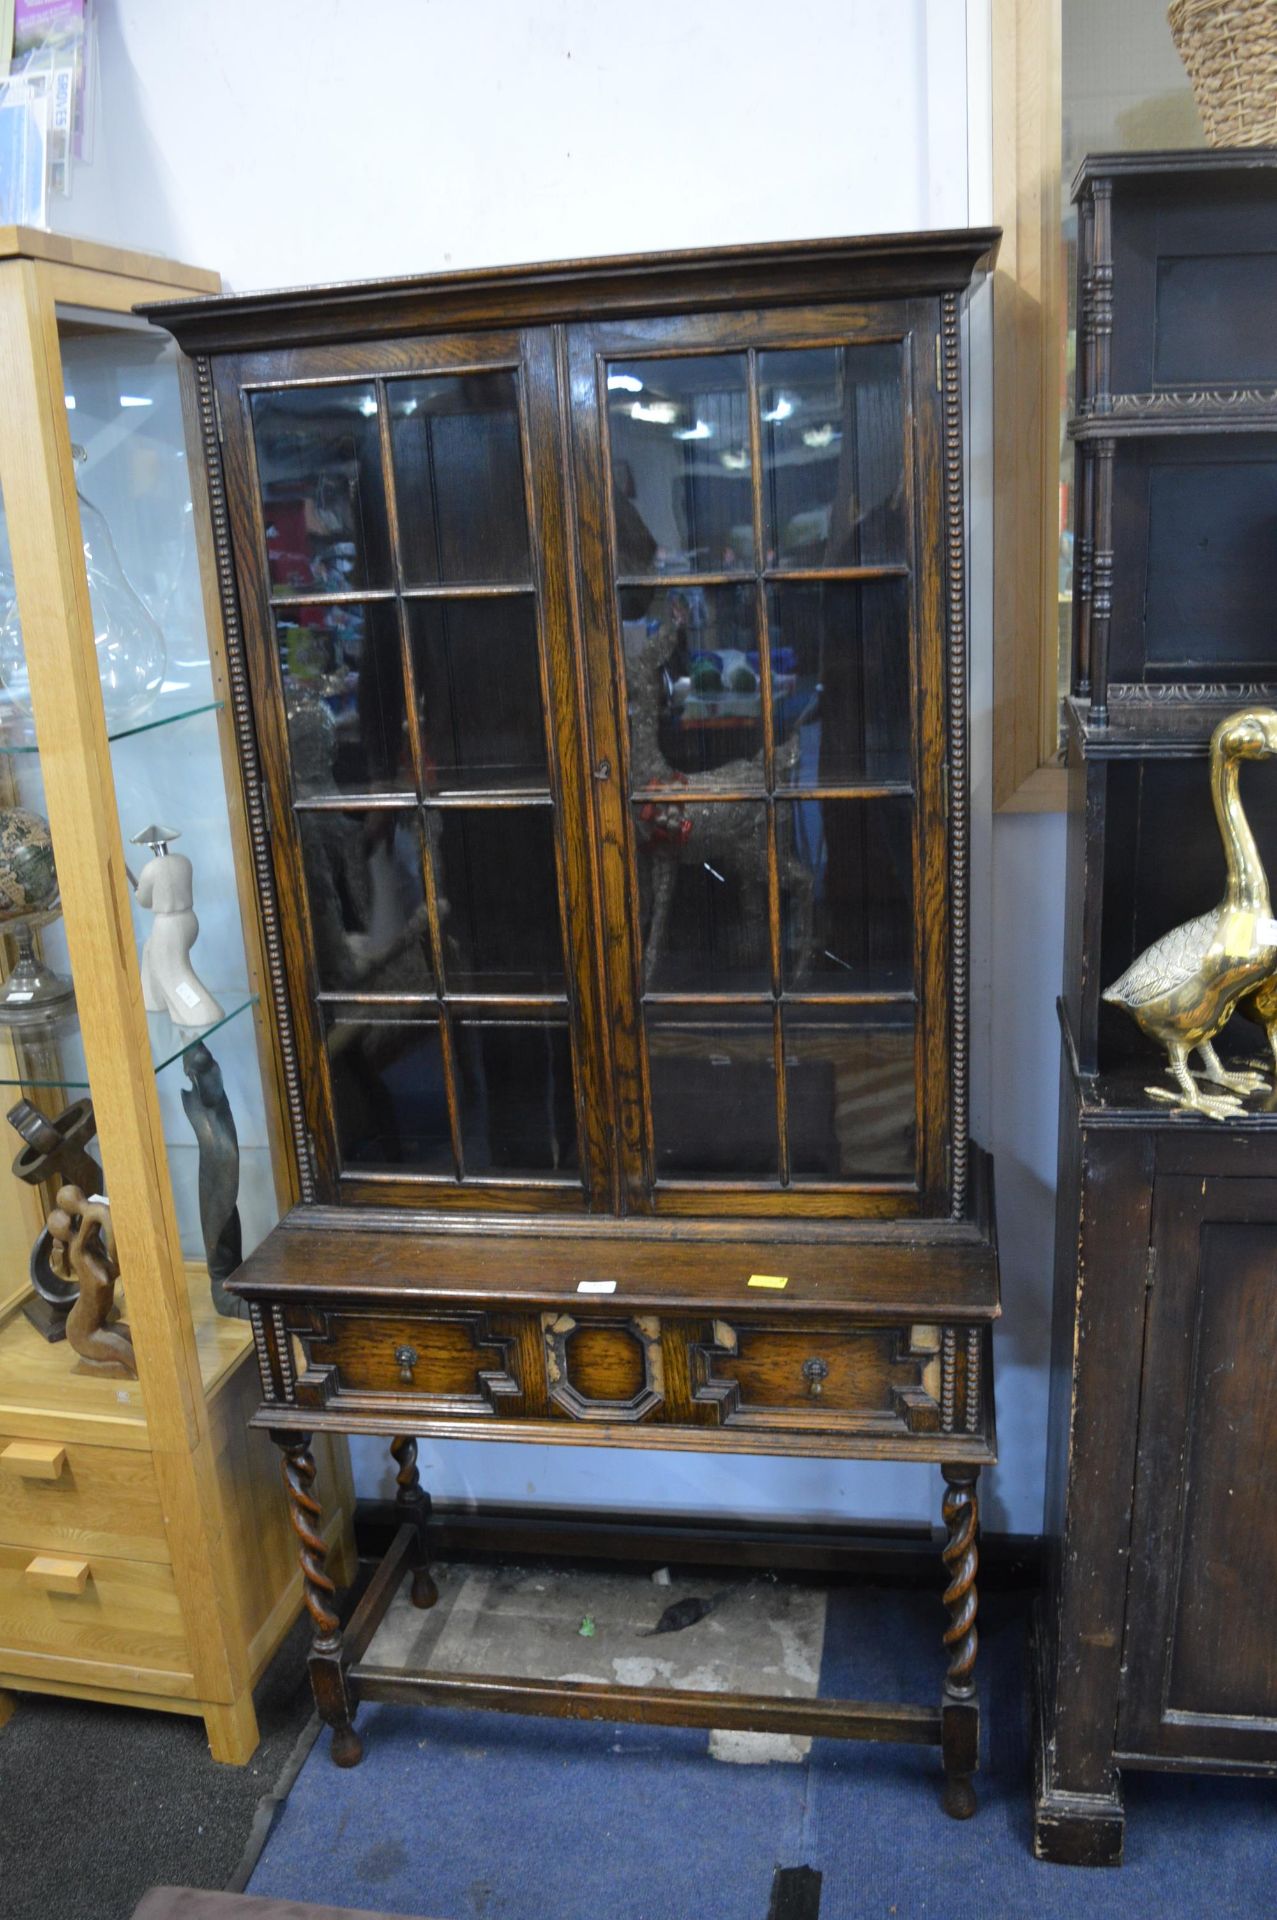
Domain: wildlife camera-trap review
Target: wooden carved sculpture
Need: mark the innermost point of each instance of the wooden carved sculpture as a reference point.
(85, 1252)
(727, 837)
(53, 1151)
(1185, 987)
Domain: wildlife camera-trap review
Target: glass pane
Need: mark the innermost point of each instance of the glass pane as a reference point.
(681, 495)
(367, 900)
(702, 870)
(323, 499)
(691, 681)
(479, 692)
(498, 899)
(459, 478)
(518, 1101)
(344, 699)
(713, 1081)
(840, 681)
(851, 1098)
(846, 887)
(833, 456)
(386, 1069)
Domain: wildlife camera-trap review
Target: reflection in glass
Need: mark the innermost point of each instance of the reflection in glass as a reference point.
(713, 1083)
(840, 681)
(459, 478)
(323, 499)
(846, 887)
(479, 692)
(389, 1096)
(833, 456)
(498, 899)
(344, 699)
(702, 871)
(692, 687)
(851, 1096)
(679, 434)
(367, 900)
(518, 1101)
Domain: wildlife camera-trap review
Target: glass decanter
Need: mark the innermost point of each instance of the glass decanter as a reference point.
(130, 646)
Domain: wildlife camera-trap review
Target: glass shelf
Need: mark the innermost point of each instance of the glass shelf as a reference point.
(185, 704)
(52, 1055)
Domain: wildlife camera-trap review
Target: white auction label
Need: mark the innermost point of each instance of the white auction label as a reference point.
(596, 1286)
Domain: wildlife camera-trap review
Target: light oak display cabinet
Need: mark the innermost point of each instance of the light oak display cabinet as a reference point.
(602, 631)
(145, 1557)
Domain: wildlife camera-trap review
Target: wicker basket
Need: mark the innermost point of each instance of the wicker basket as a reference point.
(1230, 50)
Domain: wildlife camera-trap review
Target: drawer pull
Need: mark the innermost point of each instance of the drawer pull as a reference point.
(33, 1459)
(52, 1574)
(815, 1372)
(406, 1359)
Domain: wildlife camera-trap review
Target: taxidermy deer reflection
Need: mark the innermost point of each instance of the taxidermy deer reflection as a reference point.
(727, 837)
(1185, 988)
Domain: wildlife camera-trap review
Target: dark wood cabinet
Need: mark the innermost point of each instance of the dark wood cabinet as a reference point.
(1153, 1645)
(598, 645)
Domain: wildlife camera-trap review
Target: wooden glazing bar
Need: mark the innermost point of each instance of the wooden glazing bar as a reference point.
(348, 597)
(885, 997)
(375, 1176)
(356, 803)
(417, 749)
(880, 790)
(654, 1706)
(763, 635)
(655, 582)
(894, 570)
(488, 797)
(475, 590)
(551, 1002)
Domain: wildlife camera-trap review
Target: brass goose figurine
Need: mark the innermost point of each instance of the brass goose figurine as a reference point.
(1184, 988)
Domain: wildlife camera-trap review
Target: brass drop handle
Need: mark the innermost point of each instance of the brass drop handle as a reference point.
(814, 1372)
(406, 1360)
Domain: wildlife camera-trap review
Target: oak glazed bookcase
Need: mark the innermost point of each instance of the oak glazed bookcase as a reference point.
(598, 636)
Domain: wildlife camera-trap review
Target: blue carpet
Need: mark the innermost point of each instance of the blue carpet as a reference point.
(469, 1816)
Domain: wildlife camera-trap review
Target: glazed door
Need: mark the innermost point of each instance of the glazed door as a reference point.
(764, 613)
(403, 574)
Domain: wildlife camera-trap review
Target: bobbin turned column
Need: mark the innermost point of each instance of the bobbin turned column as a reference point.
(959, 1713)
(327, 1676)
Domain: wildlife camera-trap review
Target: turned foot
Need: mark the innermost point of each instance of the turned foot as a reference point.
(347, 1749)
(423, 1591)
(959, 1712)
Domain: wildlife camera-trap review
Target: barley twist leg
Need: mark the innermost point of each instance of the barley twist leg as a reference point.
(959, 1713)
(327, 1676)
(413, 1504)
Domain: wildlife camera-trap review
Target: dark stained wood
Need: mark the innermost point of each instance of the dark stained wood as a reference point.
(602, 1291)
(795, 272)
(1154, 1646)
(653, 1706)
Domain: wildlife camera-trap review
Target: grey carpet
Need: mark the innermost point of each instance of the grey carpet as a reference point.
(99, 1803)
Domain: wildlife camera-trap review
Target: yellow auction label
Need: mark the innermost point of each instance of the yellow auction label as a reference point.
(769, 1280)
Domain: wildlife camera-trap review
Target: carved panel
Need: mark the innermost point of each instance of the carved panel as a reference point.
(783, 1377)
(604, 1369)
(447, 1363)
